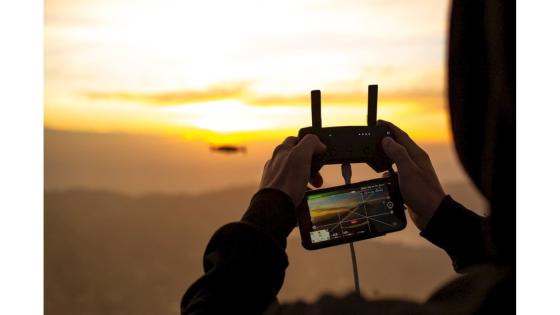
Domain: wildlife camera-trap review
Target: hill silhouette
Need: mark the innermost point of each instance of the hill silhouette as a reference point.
(140, 164)
(111, 253)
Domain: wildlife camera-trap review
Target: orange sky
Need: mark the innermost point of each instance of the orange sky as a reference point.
(234, 71)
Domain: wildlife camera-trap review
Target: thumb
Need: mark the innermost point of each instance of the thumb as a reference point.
(310, 145)
(397, 153)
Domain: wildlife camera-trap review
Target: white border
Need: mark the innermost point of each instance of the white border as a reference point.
(538, 155)
(21, 157)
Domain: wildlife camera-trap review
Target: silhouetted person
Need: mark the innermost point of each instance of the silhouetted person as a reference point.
(244, 262)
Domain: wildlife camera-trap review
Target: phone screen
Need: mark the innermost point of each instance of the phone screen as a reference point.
(348, 213)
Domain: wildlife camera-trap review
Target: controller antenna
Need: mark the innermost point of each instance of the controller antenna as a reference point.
(372, 105)
(316, 108)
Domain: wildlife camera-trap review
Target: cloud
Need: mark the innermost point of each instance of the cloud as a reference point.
(240, 92)
(213, 93)
(344, 97)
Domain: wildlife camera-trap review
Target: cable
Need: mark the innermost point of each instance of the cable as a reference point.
(355, 268)
(347, 174)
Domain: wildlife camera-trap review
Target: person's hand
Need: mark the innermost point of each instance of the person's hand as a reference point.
(418, 181)
(288, 169)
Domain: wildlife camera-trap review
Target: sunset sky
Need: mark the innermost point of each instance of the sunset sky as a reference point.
(234, 71)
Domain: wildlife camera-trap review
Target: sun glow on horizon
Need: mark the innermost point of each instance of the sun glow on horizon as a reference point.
(233, 122)
(232, 116)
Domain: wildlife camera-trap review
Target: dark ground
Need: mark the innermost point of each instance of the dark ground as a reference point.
(108, 253)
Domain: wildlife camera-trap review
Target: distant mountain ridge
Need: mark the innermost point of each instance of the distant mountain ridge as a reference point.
(139, 164)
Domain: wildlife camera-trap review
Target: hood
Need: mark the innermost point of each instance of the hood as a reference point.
(481, 94)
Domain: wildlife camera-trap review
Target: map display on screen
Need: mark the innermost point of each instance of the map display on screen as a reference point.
(354, 211)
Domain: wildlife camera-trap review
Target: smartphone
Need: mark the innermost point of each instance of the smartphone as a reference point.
(350, 213)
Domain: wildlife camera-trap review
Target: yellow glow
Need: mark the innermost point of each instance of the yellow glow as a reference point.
(231, 116)
(233, 122)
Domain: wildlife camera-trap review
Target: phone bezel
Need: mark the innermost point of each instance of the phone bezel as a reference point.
(304, 218)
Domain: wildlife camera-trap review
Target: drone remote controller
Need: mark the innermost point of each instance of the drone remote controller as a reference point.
(349, 144)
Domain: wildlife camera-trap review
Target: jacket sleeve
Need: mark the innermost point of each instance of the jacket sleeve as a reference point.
(244, 262)
(461, 233)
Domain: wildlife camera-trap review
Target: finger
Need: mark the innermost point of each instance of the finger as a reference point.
(316, 180)
(302, 154)
(286, 145)
(414, 150)
(386, 174)
(398, 153)
(310, 145)
(403, 138)
(290, 141)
